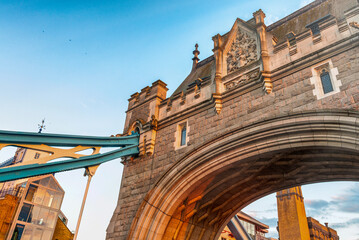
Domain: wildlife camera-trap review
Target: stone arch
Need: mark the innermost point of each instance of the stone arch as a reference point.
(138, 124)
(199, 194)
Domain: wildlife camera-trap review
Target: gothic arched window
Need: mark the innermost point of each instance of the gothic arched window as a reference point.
(137, 130)
(183, 135)
(326, 81)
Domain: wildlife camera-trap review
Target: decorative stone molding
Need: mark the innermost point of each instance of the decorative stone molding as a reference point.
(242, 80)
(242, 52)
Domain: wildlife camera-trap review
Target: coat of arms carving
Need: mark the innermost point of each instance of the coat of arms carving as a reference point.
(242, 51)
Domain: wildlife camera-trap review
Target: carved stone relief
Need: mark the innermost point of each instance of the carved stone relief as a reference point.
(242, 80)
(242, 52)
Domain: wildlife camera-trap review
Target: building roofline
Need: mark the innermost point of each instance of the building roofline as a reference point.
(295, 14)
(244, 216)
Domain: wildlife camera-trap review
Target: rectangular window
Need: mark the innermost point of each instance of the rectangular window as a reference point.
(51, 219)
(27, 233)
(326, 82)
(37, 233)
(18, 232)
(46, 235)
(25, 213)
(37, 155)
(31, 193)
(183, 135)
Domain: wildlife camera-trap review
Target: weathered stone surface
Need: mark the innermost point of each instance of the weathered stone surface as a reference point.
(259, 143)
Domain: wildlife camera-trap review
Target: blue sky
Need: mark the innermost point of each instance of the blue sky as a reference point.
(77, 62)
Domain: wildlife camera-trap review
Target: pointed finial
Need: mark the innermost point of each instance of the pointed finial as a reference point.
(195, 58)
(196, 53)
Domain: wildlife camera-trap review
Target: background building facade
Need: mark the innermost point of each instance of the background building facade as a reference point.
(30, 208)
(293, 222)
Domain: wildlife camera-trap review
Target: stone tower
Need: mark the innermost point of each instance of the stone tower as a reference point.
(292, 220)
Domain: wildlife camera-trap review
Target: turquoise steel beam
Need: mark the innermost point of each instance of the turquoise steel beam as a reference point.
(127, 146)
(62, 140)
(24, 171)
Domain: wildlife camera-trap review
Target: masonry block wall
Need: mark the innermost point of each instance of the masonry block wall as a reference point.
(8, 206)
(62, 232)
(280, 76)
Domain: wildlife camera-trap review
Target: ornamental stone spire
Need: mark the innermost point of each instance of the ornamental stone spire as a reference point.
(195, 58)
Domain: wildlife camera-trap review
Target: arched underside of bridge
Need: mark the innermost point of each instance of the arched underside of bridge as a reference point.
(202, 192)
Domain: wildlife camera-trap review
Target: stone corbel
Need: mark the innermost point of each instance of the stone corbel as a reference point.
(183, 98)
(217, 100)
(169, 105)
(142, 145)
(150, 142)
(267, 82)
(197, 91)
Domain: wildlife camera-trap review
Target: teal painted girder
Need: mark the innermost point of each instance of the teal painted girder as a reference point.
(62, 140)
(128, 147)
(24, 171)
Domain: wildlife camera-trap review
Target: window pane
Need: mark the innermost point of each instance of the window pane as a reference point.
(183, 136)
(45, 181)
(46, 235)
(53, 185)
(27, 233)
(30, 193)
(43, 216)
(37, 181)
(39, 196)
(49, 197)
(50, 221)
(56, 202)
(35, 214)
(25, 212)
(37, 233)
(326, 82)
(18, 232)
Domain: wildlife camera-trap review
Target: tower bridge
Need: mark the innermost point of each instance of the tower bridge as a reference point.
(274, 107)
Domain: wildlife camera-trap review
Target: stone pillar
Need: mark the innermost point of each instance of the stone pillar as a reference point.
(218, 54)
(261, 30)
(292, 219)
